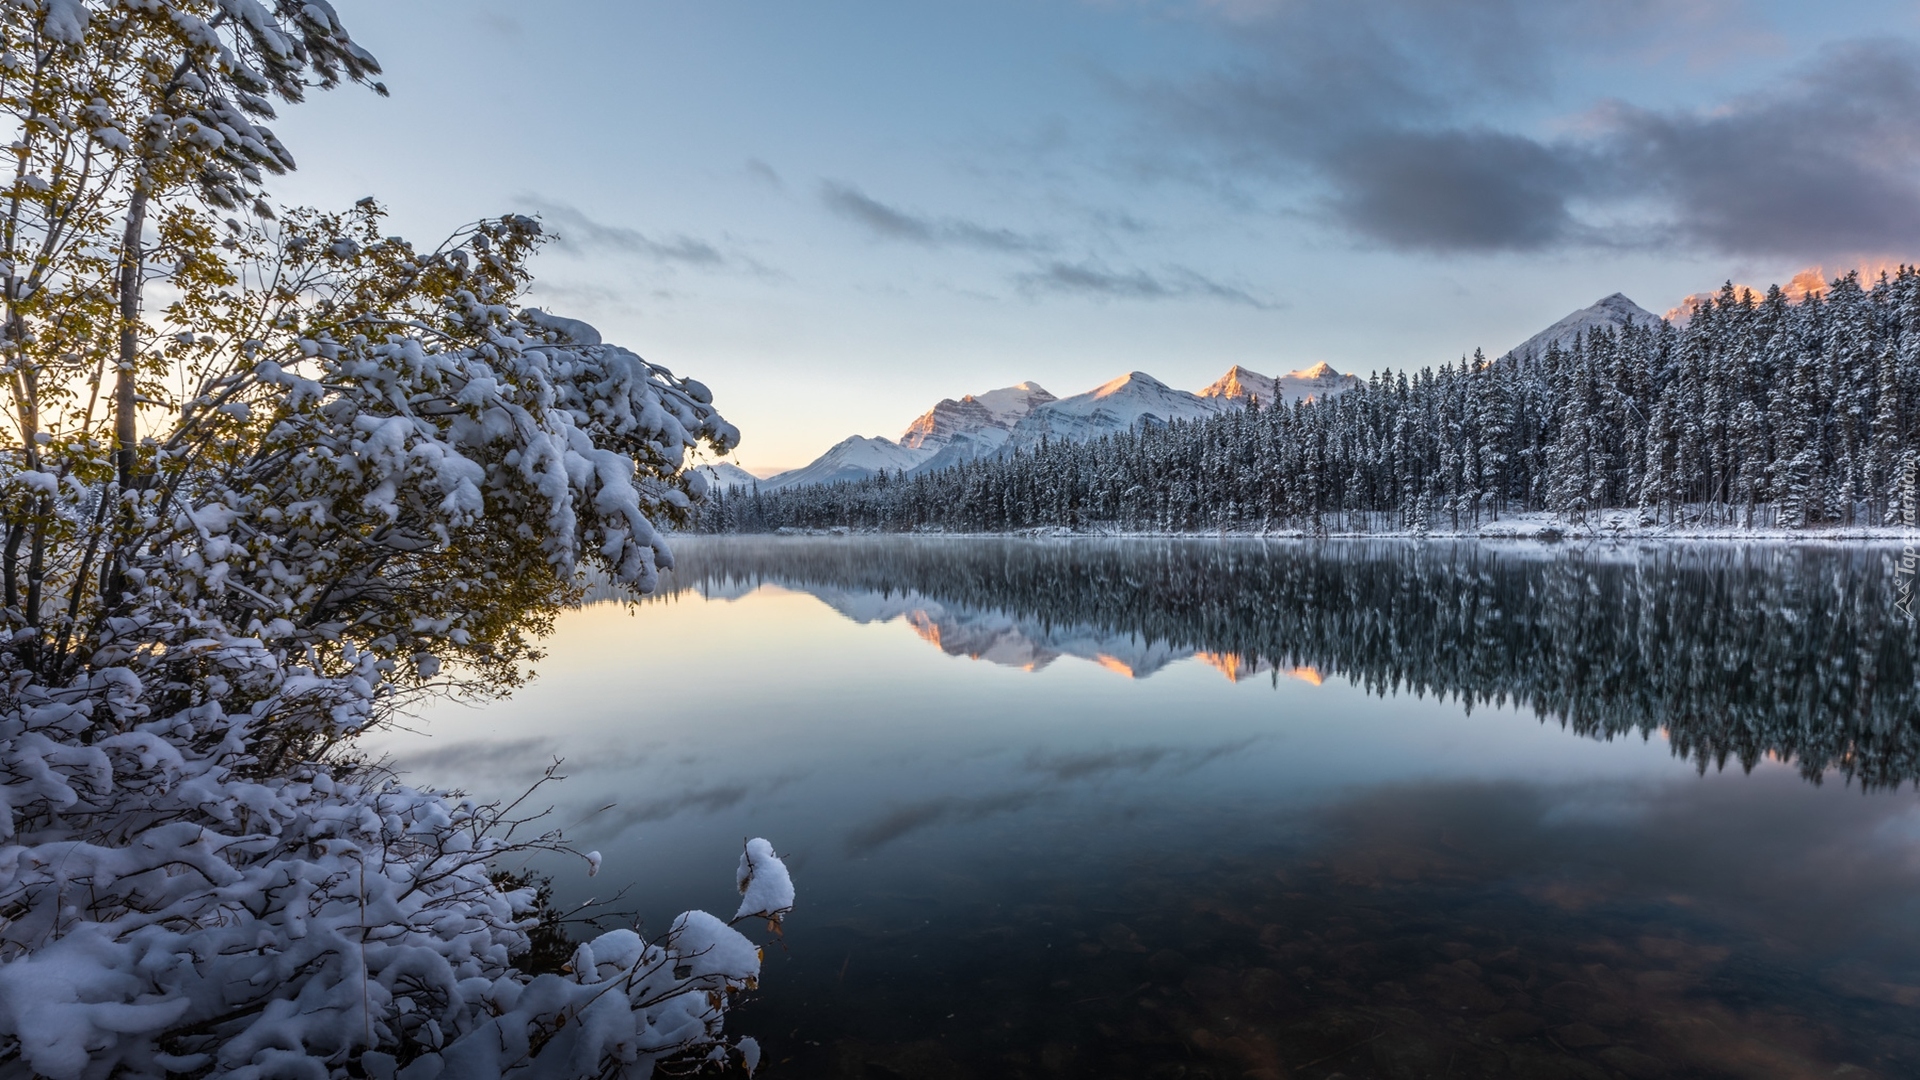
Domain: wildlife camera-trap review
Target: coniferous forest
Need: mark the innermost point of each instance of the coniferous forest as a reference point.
(1757, 412)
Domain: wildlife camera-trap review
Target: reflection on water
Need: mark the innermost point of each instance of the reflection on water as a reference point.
(1729, 652)
(1475, 924)
(1083, 852)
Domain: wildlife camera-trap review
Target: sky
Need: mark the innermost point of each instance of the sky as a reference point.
(837, 213)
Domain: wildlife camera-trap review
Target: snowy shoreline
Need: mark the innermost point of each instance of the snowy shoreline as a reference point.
(1517, 528)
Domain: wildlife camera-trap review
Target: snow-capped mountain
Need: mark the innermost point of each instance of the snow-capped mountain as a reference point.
(851, 459)
(723, 474)
(1307, 384)
(1612, 312)
(973, 427)
(974, 415)
(1120, 405)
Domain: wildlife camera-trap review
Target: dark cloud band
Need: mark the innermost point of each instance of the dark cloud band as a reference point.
(1096, 280)
(1402, 122)
(1454, 190)
(892, 223)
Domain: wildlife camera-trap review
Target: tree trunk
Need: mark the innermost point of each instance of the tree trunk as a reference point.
(126, 398)
(125, 390)
(37, 561)
(10, 586)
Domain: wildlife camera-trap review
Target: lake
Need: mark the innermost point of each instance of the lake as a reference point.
(1233, 808)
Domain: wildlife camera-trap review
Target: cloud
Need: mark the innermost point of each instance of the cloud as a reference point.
(1418, 126)
(580, 296)
(1090, 278)
(499, 23)
(1370, 108)
(571, 230)
(764, 173)
(1825, 162)
(891, 223)
(881, 219)
(574, 232)
(1454, 190)
(1086, 277)
(1119, 221)
(1313, 75)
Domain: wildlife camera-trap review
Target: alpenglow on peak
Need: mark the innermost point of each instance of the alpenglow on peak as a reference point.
(1307, 384)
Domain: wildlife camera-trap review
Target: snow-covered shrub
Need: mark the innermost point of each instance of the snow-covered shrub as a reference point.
(329, 473)
(196, 876)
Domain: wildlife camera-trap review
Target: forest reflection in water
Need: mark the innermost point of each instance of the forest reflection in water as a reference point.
(1454, 810)
(1731, 653)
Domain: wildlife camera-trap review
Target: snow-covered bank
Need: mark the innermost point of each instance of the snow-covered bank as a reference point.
(1536, 527)
(199, 873)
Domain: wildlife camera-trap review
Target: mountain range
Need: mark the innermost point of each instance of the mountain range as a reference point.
(1016, 417)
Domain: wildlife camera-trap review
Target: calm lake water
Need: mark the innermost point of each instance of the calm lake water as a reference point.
(1185, 809)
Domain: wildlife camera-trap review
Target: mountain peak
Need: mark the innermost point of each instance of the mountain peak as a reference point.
(990, 414)
(1321, 370)
(1132, 380)
(723, 474)
(1132, 400)
(1607, 313)
(850, 459)
(1240, 383)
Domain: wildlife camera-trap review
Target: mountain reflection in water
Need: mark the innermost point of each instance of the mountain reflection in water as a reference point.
(1729, 652)
(1379, 847)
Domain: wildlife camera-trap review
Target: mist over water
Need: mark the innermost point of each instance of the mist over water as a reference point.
(1224, 809)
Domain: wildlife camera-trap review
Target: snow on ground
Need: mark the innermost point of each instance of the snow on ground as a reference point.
(1613, 525)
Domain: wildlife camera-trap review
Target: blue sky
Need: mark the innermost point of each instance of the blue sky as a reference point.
(837, 213)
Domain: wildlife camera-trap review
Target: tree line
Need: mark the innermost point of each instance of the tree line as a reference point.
(1758, 411)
